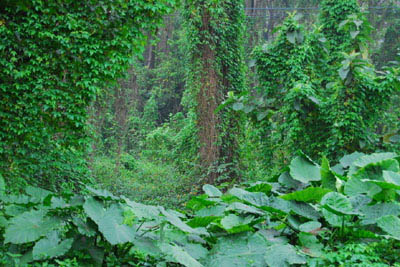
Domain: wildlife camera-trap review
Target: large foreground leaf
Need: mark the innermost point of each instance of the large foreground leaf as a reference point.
(51, 247)
(239, 251)
(29, 226)
(179, 255)
(110, 221)
(304, 170)
(283, 256)
(307, 195)
(391, 225)
(371, 214)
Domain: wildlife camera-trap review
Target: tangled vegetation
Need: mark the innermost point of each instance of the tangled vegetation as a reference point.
(166, 133)
(311, 214)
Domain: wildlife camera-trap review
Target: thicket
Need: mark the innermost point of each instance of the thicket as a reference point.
(54, 58)
(347, 215)
(319, 91)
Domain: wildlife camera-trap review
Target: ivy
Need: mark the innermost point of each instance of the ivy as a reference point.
(54, 58)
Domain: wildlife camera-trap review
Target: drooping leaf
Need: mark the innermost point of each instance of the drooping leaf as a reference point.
(177, 222)
(391, 225)
(347, 160)
(283, 256)
(51, 247)
(29, 226)
(101, 193)
(142, 211)
(110, 221)
(212, 191)
(304, 170)
(328, 179)
(286, 180)
(310, 194)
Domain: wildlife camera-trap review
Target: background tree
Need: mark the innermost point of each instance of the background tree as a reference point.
(215, 30)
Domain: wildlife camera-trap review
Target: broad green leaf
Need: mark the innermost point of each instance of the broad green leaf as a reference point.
(391, 177)
(374, 171)
(29, 226)
(337, 203)
(286, 180)
(202, 221)
(143, 211)
(391, 225)
(260, 187)
(310, 194)
(304, 170)
(101, 193)
(177, 222)
(147, 246)
(84, 228)
(328, 179)
(243, 208)
(212, 191)
(241, 250)
(211, 211)
(197, 251)
(304, 209)
(179, 255)
(110, 221)
(355, 186)
(311, 245)
(200, 202)
(94, 209)
(371, 214)
(347, 160)
(237, 106)
(283, 256)
(382, 184)
(37, 194)
(255, 198)
(373, 158)
(236, 224)
(310, 227)
(51, 247)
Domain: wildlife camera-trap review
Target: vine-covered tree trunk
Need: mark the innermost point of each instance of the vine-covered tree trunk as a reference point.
(214, 31)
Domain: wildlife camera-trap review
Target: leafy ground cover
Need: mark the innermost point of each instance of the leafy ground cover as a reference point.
(310, 215)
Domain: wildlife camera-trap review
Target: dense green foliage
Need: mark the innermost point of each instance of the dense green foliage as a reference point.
(319, 91)
(310, 214)
(54, 58)
(206, 162)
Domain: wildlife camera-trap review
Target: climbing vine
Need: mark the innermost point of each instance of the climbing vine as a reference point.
(55, 56)
(319, 91)
(215, 35)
